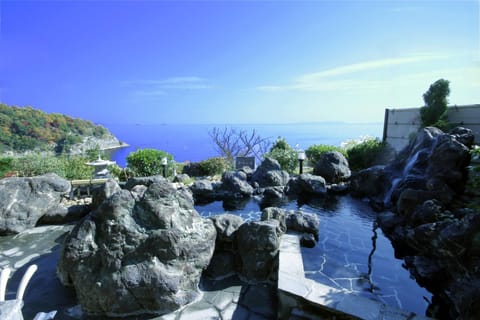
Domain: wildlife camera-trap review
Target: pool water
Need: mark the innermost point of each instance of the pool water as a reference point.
(352, 253)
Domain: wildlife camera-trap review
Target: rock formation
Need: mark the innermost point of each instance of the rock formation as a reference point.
(270, 174)
(436, 238)
(23, 201)
(136, 255)
(333, 167)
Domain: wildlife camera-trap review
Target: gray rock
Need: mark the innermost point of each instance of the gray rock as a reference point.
(24, 200)
(311, 184)
(270, 174)
(448, 162)
(258, 244)
(235, 185)
(369, 182)
(131, 257)
(274, 192)
(248, 171)
(103, 192)
(226, 225)
(333, 166)
(222, 265)
(182, 178)
(463, 135)
(63, 215)
(204, 190)
(307, 240)
(138, 191)
(145, 181)
(276, 214)
(303, 222)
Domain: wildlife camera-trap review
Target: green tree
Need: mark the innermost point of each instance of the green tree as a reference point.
(284, 154)
(434, 113)
(148, 162)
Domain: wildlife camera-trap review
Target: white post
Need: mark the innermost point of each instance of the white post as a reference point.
(3, 282)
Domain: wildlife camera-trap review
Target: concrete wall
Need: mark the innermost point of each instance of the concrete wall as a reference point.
(400, 124)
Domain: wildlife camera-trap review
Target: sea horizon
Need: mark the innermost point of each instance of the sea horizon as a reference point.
(191, 142)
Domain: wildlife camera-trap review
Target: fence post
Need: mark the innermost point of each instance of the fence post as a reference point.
(385, 125)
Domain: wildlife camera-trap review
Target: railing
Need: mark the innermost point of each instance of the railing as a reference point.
(84, 183)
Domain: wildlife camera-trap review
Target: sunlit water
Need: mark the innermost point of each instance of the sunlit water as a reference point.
(352, 252)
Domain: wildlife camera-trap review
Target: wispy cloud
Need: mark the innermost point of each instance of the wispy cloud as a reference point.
(154, 88)
(342, 77)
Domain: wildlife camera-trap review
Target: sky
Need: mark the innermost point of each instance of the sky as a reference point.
(230, 62)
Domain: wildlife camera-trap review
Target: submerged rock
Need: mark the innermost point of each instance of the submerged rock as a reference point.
(138, 256)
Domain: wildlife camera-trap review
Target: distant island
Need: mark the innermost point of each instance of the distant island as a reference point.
(25, 129)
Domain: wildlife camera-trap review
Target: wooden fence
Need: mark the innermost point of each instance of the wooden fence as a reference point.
(401, 124)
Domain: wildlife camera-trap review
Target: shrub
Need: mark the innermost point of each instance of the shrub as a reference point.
(122, 174)
(367, 153)
(284, 154)
(68, 167)
(213, 166)
(75, 167)
(315, 151)
(148, 162)
(6, 164)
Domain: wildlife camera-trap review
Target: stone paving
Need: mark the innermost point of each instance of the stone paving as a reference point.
(296, 298)
(298, 294)
(230, 299)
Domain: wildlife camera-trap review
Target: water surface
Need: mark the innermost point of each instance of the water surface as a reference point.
(352, 252)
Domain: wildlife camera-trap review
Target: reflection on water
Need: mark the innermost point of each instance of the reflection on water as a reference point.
(352, 254)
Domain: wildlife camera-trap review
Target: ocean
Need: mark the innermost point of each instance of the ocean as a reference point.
(191, 142)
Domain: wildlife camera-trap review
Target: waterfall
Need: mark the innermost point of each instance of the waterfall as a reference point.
(406, 170)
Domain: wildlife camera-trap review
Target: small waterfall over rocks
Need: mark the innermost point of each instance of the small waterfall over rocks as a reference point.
(427, 224)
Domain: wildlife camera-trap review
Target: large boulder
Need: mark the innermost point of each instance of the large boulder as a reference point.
(235, 185)
(369, 182)
(258, 245)
(312, 185)
(144, 181)
(100, 194)
(23, 201)
(433, 161)
(132, 256)
(204, 190)
(303, 222)
(224, 260)
(270, 174)
(333, 166)
(226, 225)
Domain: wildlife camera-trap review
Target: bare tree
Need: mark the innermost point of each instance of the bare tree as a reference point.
(231, 143)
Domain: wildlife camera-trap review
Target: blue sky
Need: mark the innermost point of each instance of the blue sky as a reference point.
(235, 62)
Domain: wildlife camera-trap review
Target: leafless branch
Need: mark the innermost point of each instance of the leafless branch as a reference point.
(231, 143)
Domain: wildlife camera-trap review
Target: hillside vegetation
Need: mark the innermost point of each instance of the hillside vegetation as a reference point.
(25, 128)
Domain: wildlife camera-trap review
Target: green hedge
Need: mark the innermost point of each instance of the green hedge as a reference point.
(367, 153)
(315, 151)
(148, 162)
(213, 166)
